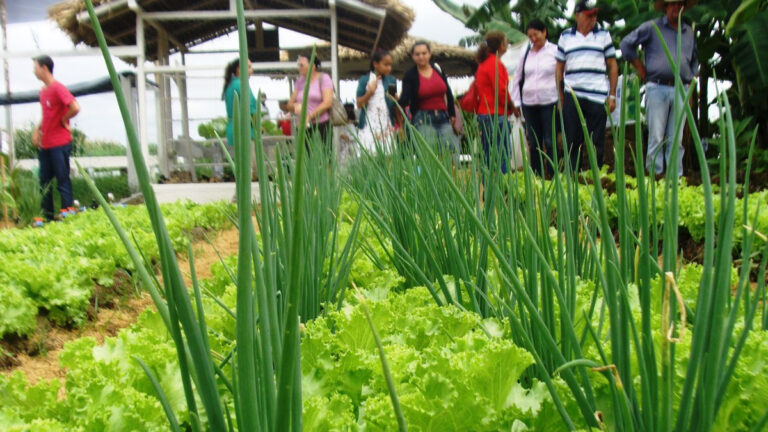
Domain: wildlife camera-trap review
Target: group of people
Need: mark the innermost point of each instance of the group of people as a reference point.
(580, 74)
(577, 76)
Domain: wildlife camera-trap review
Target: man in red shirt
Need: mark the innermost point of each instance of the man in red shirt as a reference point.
(53, 137)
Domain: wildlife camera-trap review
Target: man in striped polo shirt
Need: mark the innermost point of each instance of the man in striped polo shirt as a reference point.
(585, 53)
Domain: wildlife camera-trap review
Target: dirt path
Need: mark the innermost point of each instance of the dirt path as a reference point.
(39, 357)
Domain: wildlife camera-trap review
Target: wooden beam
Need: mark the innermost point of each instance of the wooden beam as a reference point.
(161, 30)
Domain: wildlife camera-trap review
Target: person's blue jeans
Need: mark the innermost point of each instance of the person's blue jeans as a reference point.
(494, 131)
(436, 128)
(660, 107)
(54, 163)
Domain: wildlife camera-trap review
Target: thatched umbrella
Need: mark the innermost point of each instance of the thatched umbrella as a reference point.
(453, 60)
(354, 28)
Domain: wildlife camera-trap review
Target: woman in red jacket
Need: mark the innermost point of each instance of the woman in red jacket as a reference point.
(491, 82)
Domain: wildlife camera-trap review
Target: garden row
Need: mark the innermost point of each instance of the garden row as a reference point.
(53, 270)
(452, 369)
(690, 202)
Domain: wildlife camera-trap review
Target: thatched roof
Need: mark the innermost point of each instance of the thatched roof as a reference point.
(355, 30)
(454, 61)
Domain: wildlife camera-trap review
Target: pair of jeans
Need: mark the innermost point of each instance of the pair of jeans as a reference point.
(538, 132)
(661, 104)
(436, 128)
(494, 132)
(595, 116)
(54, 163)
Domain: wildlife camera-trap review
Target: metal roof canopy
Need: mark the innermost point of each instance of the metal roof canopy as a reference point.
(359, 23)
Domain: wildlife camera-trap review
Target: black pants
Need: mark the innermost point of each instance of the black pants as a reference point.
(54, 163)
(595, 116)
(324, 132)
(538, 132)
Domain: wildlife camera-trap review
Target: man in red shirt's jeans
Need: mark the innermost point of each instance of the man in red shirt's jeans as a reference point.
(53, 137)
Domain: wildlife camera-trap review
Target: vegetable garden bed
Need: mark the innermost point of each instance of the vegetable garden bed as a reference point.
(435, 301)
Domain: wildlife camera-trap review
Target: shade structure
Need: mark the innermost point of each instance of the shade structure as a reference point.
(455, 61)
(356, 28)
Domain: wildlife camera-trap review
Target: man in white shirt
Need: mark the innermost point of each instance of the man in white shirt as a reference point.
(585, 53)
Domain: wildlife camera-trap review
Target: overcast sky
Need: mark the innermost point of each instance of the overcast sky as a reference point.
(99, 117)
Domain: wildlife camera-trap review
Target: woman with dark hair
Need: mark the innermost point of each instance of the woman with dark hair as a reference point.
(491, 83)
(377, 111)
(534, 89)
(320, 99)
(427, 93)
(232, 88)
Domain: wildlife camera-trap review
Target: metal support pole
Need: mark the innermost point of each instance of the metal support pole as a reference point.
(141, 85)
(127, 85)
(334, 61)
(7, 81)
(181, 83)
(334, 44)
(162, 104)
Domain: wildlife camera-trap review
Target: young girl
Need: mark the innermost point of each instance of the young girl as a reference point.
(377, 115)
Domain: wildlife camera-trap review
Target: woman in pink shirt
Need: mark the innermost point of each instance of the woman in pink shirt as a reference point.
(319, 101)
(534, 89)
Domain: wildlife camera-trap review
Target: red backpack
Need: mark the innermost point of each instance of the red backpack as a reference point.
(470, 102)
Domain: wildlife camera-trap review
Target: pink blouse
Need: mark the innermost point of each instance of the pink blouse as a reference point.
(315, 97)
(540, 87)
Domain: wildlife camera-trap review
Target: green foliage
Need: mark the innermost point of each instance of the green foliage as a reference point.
(22, 142)
(502, 16)
(452, 369)
(24, 189)
(81, 145)
(55, 268)
(26, 193)
(750, 43)
(211, 129)
(116, 185)
(449, 373)
(499, 277)
(218, 126)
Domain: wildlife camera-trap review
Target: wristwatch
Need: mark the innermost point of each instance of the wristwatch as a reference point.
(612, 97)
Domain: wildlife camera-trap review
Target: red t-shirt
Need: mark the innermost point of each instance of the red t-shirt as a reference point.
(55, 100)
(432, 92)
(485, 80)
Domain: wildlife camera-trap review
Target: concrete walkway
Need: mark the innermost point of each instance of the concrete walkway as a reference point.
(199, 192)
